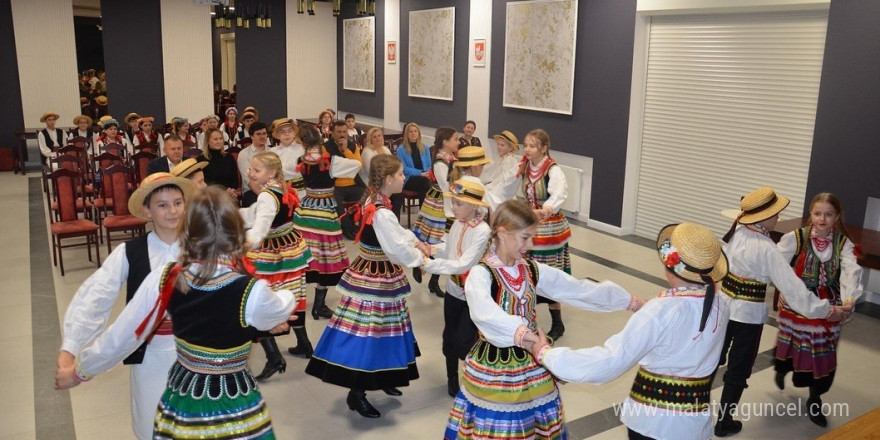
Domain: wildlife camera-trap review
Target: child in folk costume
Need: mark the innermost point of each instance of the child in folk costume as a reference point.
(110, 135)
(471, 161)
(216, 310)
(754, 262)
(316, 219)
(501, 178)
(435, 217)
(131, 126)
(369, 342)
(675, 339)
(277, 252)
(823, 256)
(230, 125)
(82, 128)
(289, 150)
(244, 127)
(544, 188)
(463, 248)
(50, 138)
(181, 127)
(504, 393)
(161, 199)
(146, 134)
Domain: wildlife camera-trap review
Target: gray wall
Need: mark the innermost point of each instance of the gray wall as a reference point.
(847, 133)
(433, 112)
(599, 122)
(261, 65)
(363, 103)
(11, 116)
(135, 79)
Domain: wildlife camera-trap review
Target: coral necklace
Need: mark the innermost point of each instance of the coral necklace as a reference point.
(514, 283)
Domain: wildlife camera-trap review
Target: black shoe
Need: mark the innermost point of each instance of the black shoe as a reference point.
(319, 307)
(348, 234)
(814, 411)
(303, 345)
(274, 362)
(726, 427)
(452, 387)
(417, 275)
(780, 380)
(357, 401)
(557, 328)
(434, 286)
(392, 391)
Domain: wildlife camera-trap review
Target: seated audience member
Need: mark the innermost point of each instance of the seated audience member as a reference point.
(260, 136)
(345, 189)
(325, 125)
(244, 127)
(416, 160)
(468, 138)
(146, 134)
(50, 138)
(211, 122)
(222, 169)
(374, 145)
(131, 126)
(353, 131)
(83, 128)
(173, 150)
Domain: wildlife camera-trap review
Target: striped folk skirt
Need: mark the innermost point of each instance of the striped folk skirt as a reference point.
(550, 244)
(431, 223)
(806, 346)
(316, 219)
(282, 259)
(369, 342)
(506, 395)
(222, 404)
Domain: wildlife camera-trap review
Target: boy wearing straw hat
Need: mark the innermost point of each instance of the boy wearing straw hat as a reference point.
(463, 247)
(290, 151)
(675, 338)
(82, 128)
(159, 199)
(500, 178)
(754, 262)
(50, 138)
(191, 169)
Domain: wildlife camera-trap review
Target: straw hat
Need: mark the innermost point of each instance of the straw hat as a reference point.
(145, 119)
(104, 118)
(212, 116)
(131, 117)
(691, 251)
(187, 167)
(247, 114)
(468, 189)
(509, 137)
(150, 183)
(471, 156)
(252, 109)
(101, 100)
(278, 123)
(761, 204)
(48, 114)
(78, 118)
(109, 122)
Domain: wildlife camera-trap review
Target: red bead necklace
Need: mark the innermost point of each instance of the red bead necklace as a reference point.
(514, 283)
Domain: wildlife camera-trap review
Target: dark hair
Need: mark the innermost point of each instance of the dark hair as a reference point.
(211, 229)
(339, 123)
(258, 125)
(470, 122)
(441, 135)
(349, 116)
(309, 136)
(168, 187)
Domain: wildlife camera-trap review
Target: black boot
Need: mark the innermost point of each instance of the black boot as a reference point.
(557, 328)
(357, 401)
(303, 345)
(319, 309)
(814, 409)
(434, 286)
(391, 391)
(417, 275)
(274, 362)
(780, 380)
(452, 386)
(729, 399)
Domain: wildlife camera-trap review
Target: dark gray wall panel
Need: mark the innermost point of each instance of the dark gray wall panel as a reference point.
(261, 65)
(10, 112)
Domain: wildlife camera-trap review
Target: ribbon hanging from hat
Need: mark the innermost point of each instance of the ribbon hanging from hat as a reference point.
(161, 305)
(732, 229)
(672, 260)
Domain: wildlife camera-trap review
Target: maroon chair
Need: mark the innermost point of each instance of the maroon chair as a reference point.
(244, 143)
(151, 147)
(68, 225)
(140, 161)
(410, 202)
(116, 181)
(72, 163)
(114, 148)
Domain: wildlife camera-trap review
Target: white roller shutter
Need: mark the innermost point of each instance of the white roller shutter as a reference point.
(730, 104)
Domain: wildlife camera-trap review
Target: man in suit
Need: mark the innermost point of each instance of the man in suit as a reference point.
(173, 150)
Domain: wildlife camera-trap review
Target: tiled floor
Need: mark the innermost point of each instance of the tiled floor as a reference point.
(302, 407)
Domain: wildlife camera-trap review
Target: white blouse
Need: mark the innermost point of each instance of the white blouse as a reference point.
(458, 252)
(850, 271)
(501, 179)
(258, 218)
(264, 309)
(397, 242)
(753, 255)
(557, 188)
(441, 173)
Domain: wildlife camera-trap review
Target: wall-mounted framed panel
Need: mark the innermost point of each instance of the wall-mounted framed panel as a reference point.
(359, 54)
(432, 53)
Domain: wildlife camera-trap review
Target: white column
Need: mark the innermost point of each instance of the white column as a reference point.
(311, 61)
(478, 77)
(187, 60)
(46, 53)
(392, 71)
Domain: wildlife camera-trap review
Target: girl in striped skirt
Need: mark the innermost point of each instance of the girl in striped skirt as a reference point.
(369, 342)
(276, 250)
(505, 393)
(316, 219)
(436, 217)
(544, 188)
(216, 310)
(824, 257)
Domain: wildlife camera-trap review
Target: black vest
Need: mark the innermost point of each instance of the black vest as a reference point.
(59, 134)
(138, 255)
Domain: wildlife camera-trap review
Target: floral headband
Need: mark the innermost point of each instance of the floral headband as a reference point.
(670, 257)
(460, 190)
(179, 121)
